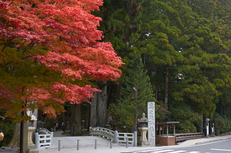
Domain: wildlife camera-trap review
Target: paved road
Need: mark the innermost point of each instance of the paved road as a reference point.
(211, 147)
(87, 145)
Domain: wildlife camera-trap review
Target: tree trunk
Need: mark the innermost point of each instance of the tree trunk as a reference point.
(202, 123)
(118, 91)
(76, 118)
(145, 61)
(14, 143)
(109, 95)
(99, 107)
(102, 106)
(166, 90)
(157, 91)
(63, 117)
(87, 119)
(94, 117)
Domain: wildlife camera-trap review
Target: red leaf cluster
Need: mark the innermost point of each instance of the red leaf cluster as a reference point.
(70, 32)
(5, 94)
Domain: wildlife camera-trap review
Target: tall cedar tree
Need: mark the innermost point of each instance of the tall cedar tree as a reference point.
(122, 20)
(124, 112)
(68, 33)
(187, 46)
(158, 42)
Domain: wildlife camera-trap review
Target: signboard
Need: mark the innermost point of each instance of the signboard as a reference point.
(151, 123)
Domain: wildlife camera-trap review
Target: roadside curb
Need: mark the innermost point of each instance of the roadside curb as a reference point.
(219, 139)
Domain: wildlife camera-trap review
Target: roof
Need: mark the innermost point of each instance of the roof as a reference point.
(169, 122)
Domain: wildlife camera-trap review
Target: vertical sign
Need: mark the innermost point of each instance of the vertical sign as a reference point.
(151, 123)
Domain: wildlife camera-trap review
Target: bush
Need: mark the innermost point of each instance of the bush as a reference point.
(189, 120)
(222, 124)
(8, 131)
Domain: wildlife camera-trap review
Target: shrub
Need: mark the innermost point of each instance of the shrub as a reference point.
(189, 120)
(222, 124)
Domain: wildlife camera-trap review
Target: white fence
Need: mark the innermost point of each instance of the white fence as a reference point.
(43, 138)
(115, 136)
(123, 138)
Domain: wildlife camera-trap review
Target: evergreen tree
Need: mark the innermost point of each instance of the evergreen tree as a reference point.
(137, 81)
(120, 24)
(158, 44)
(185, 47)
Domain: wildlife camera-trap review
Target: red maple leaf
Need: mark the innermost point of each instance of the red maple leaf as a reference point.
(70, 33)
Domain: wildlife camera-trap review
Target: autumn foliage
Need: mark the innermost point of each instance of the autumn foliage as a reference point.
(69, 33)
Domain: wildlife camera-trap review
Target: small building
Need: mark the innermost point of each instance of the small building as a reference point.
(163, 138)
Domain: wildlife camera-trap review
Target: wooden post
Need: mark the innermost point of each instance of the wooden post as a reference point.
(159, 129)
(174, 130)
(167, 130)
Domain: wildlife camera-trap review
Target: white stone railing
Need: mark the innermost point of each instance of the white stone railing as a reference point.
(43, 138)
(115, 136)
(102, 132)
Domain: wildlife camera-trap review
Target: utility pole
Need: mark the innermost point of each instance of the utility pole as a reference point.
(21, 136)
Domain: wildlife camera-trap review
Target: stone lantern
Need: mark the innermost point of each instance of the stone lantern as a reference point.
(31, 129)
(143, 128)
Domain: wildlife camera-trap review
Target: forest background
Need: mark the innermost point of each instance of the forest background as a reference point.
(185, 50)
(176, 53)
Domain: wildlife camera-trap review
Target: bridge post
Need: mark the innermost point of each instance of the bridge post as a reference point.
(135, 138)
(111, 143)
(58, 145)
(52, 134)
(36, 139)
(95, 144)
(77, 144)
(115, 135)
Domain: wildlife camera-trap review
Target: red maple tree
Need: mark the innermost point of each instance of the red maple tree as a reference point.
(69, 31)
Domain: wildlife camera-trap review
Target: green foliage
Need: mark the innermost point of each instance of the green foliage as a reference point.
(222, 124)
(190, 39)
(8, 131)
(7, 128)
(19, 72)
(121, 23)
(175, 36)
(187, 117)
(124, 112)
